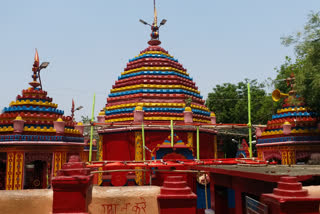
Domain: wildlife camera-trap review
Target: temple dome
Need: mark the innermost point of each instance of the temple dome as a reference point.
(302, 121)
(157, 82)
(38, 112)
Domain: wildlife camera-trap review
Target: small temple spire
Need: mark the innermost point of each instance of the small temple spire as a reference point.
(154, 27)
(35, 69)
(72, 109)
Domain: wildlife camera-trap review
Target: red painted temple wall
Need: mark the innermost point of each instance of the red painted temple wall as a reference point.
(121, 146)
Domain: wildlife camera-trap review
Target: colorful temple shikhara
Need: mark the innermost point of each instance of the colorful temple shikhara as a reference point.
(36, 138)
(154, 91)
(292, 135)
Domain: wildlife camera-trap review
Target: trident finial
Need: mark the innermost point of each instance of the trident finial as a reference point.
(36, 71)
(154, 27)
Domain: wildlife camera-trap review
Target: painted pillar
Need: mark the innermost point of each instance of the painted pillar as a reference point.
(260, 155)
(291, 157)
(18, 170)
(215, 146)
(63, 158)
(284, 157)
(59, 158)
(10, 171)
(138, 156)
(190, 141)
(84, 156)
(100, 159)
(15, 170)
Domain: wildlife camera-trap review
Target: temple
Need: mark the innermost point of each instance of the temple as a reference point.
(36, 138)
(154, 131)
(155, 110)
(292, 136)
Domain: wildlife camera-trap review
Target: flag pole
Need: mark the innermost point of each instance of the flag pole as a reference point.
(91, 131)
(171, 125)
(249, 120)
(143, 142)
(198, 144)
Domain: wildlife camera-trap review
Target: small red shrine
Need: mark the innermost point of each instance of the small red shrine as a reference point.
(293, 133)
(36, 138)
(154, 93)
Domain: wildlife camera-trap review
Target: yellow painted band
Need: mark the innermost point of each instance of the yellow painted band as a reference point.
(38, 129)
(154, 69)
(199, 107)
(163, 118)
(6, 129)
(182, 105)
(201, 120)
(154, 52)
(127, 88)
(119, 119)
(71, 131)
(155, 118)
(33, 102)
(291, 109)
(146, 105)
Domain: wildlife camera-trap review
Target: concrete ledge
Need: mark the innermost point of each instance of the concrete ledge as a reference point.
(125, 200)
(120, 200)
(26, 201)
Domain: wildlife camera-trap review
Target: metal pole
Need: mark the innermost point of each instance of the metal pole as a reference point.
(249, 120)
(198, 144)
(171, 124)
(91, 131)
(143, 142)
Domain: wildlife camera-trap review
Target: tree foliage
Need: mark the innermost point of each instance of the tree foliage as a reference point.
(87, 129)
(230, 102)
(306, 67)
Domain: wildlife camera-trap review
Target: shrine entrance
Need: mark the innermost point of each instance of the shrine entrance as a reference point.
(167, 152)
(37, 171)
(3, 167)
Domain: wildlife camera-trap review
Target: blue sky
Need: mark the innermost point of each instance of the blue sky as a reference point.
(88, 43)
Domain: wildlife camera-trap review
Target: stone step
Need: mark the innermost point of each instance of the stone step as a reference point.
(175, 191)
(174, 178)
(175, 184)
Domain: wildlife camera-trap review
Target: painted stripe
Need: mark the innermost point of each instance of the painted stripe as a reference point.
(154, 69)
(154, 73)
(178, 91)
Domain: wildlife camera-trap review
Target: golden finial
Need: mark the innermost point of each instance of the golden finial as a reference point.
(36, 57)
(36, 71)
(155, 20)
(154, 27)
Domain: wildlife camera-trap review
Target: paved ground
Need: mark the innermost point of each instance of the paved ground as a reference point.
(277, 170)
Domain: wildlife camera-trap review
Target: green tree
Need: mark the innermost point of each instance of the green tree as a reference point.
(87, 129)
(230, 102)
(306, 67)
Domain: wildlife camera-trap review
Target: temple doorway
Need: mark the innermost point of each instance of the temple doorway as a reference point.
(37, 172)
(36, 175)
(3, 169)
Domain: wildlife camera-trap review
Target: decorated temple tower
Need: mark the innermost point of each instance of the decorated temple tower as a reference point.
(35, 138)
(292, 135)
(155, 110)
